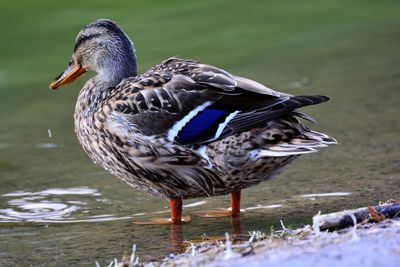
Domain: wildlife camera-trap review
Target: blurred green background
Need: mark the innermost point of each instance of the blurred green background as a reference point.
(348, 50)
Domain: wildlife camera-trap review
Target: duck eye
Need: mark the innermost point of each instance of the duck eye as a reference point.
(83, 38)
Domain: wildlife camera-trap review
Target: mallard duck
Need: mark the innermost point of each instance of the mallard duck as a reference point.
(182, 129)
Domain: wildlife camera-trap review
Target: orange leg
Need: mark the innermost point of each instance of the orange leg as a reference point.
(235, 204)
(175, 204)
(233, 212)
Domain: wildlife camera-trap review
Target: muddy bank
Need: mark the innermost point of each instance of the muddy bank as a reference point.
(373, 241)
(368, 245)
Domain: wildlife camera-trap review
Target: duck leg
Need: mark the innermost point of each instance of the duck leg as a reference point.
(235, 204)
(175, 205)
(233, 211)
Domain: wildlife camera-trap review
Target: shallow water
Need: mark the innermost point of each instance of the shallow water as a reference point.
(58, 209)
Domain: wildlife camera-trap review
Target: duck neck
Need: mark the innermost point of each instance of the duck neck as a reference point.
(109, 74)
(112, 72)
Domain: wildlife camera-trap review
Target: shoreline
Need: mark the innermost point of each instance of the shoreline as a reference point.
(373, 241)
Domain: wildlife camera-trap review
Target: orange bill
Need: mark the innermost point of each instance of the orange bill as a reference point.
(70, 74)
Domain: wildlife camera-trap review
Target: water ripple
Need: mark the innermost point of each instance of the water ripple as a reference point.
(57, 205)
(331, 194)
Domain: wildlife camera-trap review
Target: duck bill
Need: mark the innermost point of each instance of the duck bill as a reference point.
(70, 74)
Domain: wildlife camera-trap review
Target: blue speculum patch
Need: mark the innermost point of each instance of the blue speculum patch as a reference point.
(203, 125)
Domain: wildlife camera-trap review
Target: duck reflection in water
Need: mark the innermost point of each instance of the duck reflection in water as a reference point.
(179, 244)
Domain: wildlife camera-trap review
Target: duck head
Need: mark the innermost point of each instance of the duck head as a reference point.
(103, 47)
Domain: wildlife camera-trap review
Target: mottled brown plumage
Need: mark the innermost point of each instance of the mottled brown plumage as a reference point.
(182, 129)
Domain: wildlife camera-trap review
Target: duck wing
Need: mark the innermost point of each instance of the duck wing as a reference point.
(194, 104)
